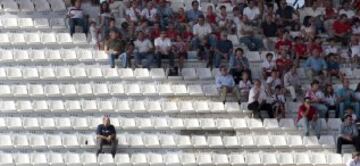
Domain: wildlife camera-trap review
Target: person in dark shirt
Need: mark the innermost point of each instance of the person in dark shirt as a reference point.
(106, 135)
(269, 27)
(224, 48)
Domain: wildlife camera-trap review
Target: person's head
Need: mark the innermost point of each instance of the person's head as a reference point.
(223, 70)
(343, 18)
(239, 52)
(195, 5)
(348, 119)
(315, 85)
(245, 76)
(114, 34)
(201, 20)
(283, 3)
(112, 22)
(77, 3)
(141, 35)
(104, 7)
(269, 57)
(316, 53)
(181, 11)
(257, 83)
(223, 35)
(346, 83)
(222, 9)
(149, 5)
(162, 34)
(251, 3)
(130, 48)
(210, 9)
(106, 120)
(274, 74)
(356, 156)
(278, 89)
(307, 101)
(293, 69)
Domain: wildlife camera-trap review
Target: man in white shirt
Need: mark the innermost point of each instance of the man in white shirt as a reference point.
(76, 18)
(144, 48)
(257, 100)
(162, 49)
(252, 12)
(202, 32)
(149, 13)
(292, 82)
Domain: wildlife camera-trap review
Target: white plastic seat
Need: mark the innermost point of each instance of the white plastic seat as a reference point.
(155, 159)
(72, 159)
(311, 142)
(89, 106)
(26, 6)
(237, 159)
(278, 141)
(138, 106)
(223, 124)
(22, 159)
(195, 90)
(17, 39)
(87, 141)
(204, 73)
(6, 159)
(231, 141)
(14, 123)
(70, 141)
(21, 55)
(171, 159)
(141, 74)
(47, 124)
(151, 141)
(78, 73)
(126, 74)
(135, 141)
(6, 142)
(63, 73)
(255, 124)
(334, 124)
(57, 106)
(64, 38)
(165, 90)
(143, 123)
(57, 23)
(68, 55)
(47, 73)
(160, 123)
(106, 160)
(216, 106)
(186, 106)
(232, 107)
(10, 23)
(271, 124)
(122, 160)
(192, 123)
(4, 39)
(149, 89)
(176, 124)
(239, 124)
(220, 159)
(201, 106)
(302, 159)
(139, 159)
(167, 141)
(48, 38)
(262, 141)
(55, 159)
(68, 90)
(105, 106)
(116, 89)
(110, 73)
(94, 73)
(183, 141)
(94, 122)
(207, 124)
(253, 159)
(14, 74)
(334, 159)
(6, 56)
(52, 90)
(89, 159)
(54, 141)
(100, 56)
(246, 141)
(179, 90)
(17, 91)
(170, 107)
(318, 159)
(188, 159)
(133, 90)
(63, 124)
(210, 90)
(189, 73)
(40, 106)
(153, 107)
(24, 106)
(215, 141)
(80, 123)
(327, 141)
(84, 90)
(294, 141)
(204, 159)
(3, 75)
(287, 124)
(8, 106)
(269, 159)
(73, 106)
(41, 23)
(37, 141)
(128, 123)
(199, 141)
(79, 39)
(122, 106)
(3, 125)
(100, 90)
(33, 38)
(31, 123)
(36, 90)
(157, 74)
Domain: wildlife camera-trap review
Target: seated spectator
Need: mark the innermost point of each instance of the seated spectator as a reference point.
(181, 17)
(284, 42)
(165, 13)
(342, 29)
(258, 100)
(202, 32)
(104, 18)
(315, 65)
(248, 35)
(283, 62)
(162, 49)
(355, 160)
(350, 111)
(316, 97)
(171, 32)
(357, 93)
(179, 49)
(333, 67)
(273, 81)
(133, 12)
(245, 85)
(226, 84)
(210, 15)
(238, 64)
(269, 29)
(77, 18)
(345, 97)
(330, 97)
(348, 134)
(268, 65)
(223, 19)
(144, 48)
(308, 116)
(278, 103)
(224, 49)
(252, 12)
(149, 13)
(126, 56)
(287, 15)
(106, 135)
(308, 29)
(114, 47)
(292, 82)
(193, 14)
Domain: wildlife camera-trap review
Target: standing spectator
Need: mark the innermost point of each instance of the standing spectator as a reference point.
(257, 100)
(193, 14)
(114, 47)
(268, 65)
(162, 49)
(345, 98)
(245, 85)
(144, 48)
(238, 64)
(77, 18)
(292, 82)
(308, 116)
(106, 135)
(315, 65)
(225, 83)
(317, 98)
(224, 49)
(348, 134)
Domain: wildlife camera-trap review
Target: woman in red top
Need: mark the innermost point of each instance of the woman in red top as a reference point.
(342, 29)
(283, 63)
(181, 16)
(210, 15)
(284, 41)
(299, 49)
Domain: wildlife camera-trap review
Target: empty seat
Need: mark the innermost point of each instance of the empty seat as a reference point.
(204, 159)
(105, 106)
(37, 141)
(63, 123)
(126, 74)
(201, 106)
(171, 159)
(64, 38)
(122, 159)
(278, 141)
(89, 106)
(153, 107)
(157, 74)
(237, 159)
(94, 73)
(70, 141)
(189, 73)
(89, 159)
(105, 160)
(14, 123)
(186, 106)
(36, 90)
(302, 159)
(143, 123)
(207, 124)
(220, 159)
(253, 159)
(239, 124)
(47, 73)
(311, 142)
(149, 89)
(169, 107)
(47, 123)
(110, 73)
(262, 141)
(80, 39)
(54, 141)
(6, 159)
(40, 106)
(195, 90)
(247, 141)
(294, 141)
(68, 90)
(41, 23)
(141, 73)
(128, 123)
(72, 159)
(231, 141)
(138, 106)
(327, 141)
(192, 124)
(22, 159)
(215, 141)
(183, 142)
(7, 106)
(167, 141)
(55, 158)
(14, 74)
(334, 159)
(199, 141)
(100, 90)
(133, 90)
(57, 106)
(155, 159)
(78, 73)
(165, 90)
(80, 123)
(73, 106)
(31, 123)
(123, 106)
(223, 124)
(139, 159)
(176, 123)
(38, 159)
(188, 159)
(84, 90)
(52, 90)
(116, 89)
(160, 123)
(135, 141)
(18, 39)
(6, 142)
(204, 73)
(151, 141)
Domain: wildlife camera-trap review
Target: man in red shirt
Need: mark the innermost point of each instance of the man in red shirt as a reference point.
(284, 41)
(342, 29)
(283, 63)
(308, 116)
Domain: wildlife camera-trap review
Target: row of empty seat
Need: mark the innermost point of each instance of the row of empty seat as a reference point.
(107, 90)
(156, 123)
(154, 140)
(123, 106)
(32, 6)
(42, 39)
(98, 73)
(33, 24)
(176, 159)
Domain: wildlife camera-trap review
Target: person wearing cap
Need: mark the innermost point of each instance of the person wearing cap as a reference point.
(355, 161)
(308, 116)
(106, 135)
(348, 134)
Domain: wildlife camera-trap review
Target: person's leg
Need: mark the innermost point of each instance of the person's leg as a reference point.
(149, 60)
(171, 58)
(113, 145)
(356, 143)
(237, 93)
(223, 92)
(245, 40)
(322, 109)
(72, 25)
(258, 43)
(254, 107)
(304, 124)
(158, 59)
(291, 89)
(316, 126)
(138, 58)
(112, 58)
(217, 60)
(356, 108)
(341, 141)
(268, 108)
(341, 109)
(100, 144)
